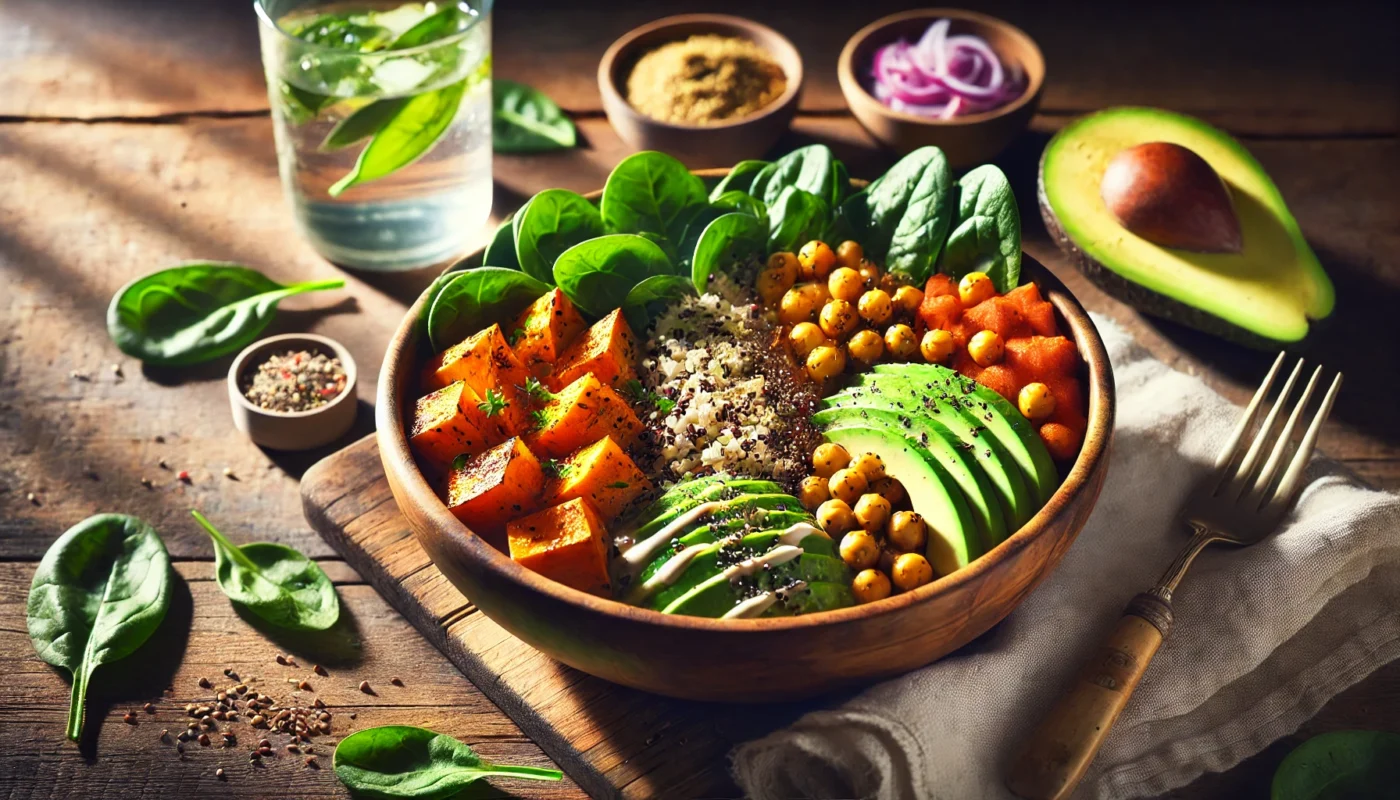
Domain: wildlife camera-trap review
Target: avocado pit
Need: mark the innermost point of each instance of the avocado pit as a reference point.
(1170, 196)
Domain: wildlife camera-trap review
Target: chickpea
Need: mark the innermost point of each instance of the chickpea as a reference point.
(974, 288)
(797, 306)
(835, 517)
(900, 341)
(866, 346)
(859, 549)
(890, 489)
(785, 263)
(911, 571)
(845, 284)
(937, 345)
(1061, 440)
(825, 361)
(772, 285)
(872, 513)
(828, 458)
(869, 466)
(839, 318)
(986, 348)
(870, 585)
(1035, 401)
(869, 272)
(813, 492)
(876, 306)
(907, 531)
(847, 485)
(849, 254)
(805, 337)
(816, 259)
(908, 299)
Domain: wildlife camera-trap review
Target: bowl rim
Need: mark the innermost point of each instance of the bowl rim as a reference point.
(240, 363)
(625, 44)
(395, 454)
(856, 93)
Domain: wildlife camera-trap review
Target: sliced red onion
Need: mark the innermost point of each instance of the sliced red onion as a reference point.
(943, 76)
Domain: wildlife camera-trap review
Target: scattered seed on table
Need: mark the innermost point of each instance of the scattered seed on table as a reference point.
(396, 681)
(364, 687)
(204, 740)
(353, 715)
(81, 376)
(183, 476)
(161, 463)
(311, 762)
(291, 748)
(243, 688)
(117, 371)
(159, 439)
(129, 718)
(165, 734)
(149, 708)
(194, 723)
(228, 473)
(229, 673)
(32, 498)
(205, 684)
(179, 747)
(304, 686)
(190, 707)
(281, 659)
(320, 670)
(146, 482)
(318, 703)
(258, 720)
(219, 773)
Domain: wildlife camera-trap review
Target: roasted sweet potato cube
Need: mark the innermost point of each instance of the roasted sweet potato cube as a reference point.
(941, 311)
(543, 331)
(449, 423)
(486, 362)
(567, 543)
(608, 350)
(940, 285)
(584, 412)
(502, 484)
(997, 314)
(1037, 311)
(604, 474)
(1040, 358)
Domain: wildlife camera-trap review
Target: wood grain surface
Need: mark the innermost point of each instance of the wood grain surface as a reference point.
(133, 135)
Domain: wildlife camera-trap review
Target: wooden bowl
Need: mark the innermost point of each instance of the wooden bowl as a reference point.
(749, 660)
(967, 141)
(724, 144)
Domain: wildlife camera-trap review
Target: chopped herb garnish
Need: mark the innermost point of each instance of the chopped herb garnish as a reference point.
(619, 485)
(494, 403)
(516, 335)
(556, 469)
(537, 390)
(460, 462)
(539, 418)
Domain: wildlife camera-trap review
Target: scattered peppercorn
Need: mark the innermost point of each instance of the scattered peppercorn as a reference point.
(204, 683)
(396, 681)
(129, 718)
(149, 708)
(364, 687)
(320, 670)
(146, 482)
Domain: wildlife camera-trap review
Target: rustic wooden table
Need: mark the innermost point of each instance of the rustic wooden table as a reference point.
(133, 135)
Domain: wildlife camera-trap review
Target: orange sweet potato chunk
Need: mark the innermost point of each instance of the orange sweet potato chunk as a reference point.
(502, 484)
(543, 331)
(941, 311)
(1040, 358)
(449, 423)
(940, 285)
(602, 473)
(608, 350)
(1039, 314)
(997, 314)
(486, 362)
(584, 412)
(567, 543)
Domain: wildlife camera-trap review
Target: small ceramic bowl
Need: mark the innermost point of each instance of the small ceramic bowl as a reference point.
(966, 141)
(299, 430)
(718, 145)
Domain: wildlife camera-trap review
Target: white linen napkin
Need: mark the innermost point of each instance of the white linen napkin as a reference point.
(1264, 636)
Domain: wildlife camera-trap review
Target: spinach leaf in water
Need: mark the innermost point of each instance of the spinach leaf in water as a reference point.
(363, 123)
(475, 299)
(99, 593)
(597, 274)
(553, 221)
(795, 219)
(987, 235)
(732, 237)
(401, 761)
(743, 202)
(449, 21)
(1340, 765)
(812, 169)
(273, 581)
(648, 192)
(525, 120)
(650, 297)
(740, 178)
(918, 235)
(887, 198)
(501, 251)
(408, 134)
(197, 312)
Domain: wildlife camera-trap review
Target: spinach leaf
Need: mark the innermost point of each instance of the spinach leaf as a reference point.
(648, 192)
(449, 21)
(477, 298)
(273, 581)
(917, 237)
(852, 221)
(1340, 765)
(553, 221)
(434, 289)
(501, 251)
(401, 761)
(408, 134)
(650, 297)
(99, 593)
(363, 123)
(197, 312)
(740, 178)
(696, 220)
(729, 238)
(741, 201)
(811, 169)
(987, 236)
(339, 32)
(888, 197)
(597, 274)
(795, 219)
(525, 120)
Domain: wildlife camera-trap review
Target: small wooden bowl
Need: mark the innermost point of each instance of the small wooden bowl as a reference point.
(749, 660)
(726, 143)
(300, 430)
(966, 141)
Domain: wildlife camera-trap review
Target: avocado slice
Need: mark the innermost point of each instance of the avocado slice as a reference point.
(718, 594)
(933, 492)
(703, 560)
(685, 496)
(946, 449)
(815, 596)
(1266, 294)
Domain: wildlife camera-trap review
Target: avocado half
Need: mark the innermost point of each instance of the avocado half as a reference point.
(1265, 295)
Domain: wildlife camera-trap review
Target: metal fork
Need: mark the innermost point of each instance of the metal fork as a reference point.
(1240, 502)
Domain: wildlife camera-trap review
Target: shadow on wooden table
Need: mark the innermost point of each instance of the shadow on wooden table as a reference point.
(336, 647)
(296, 463)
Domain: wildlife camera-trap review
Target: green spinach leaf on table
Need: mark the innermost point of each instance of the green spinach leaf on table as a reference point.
(401, 761)
(98, 594)
(274, 582)
(525, 120)
(552, 222)
(649, 192)
(921, 227)
(1340, 765)
(476, 299)
(197, 312)
(732, 237)
(987, 234)
(408, 134)
(740, 178)
(796, 218)
(650, 297)
(741, 201)
(597, 274)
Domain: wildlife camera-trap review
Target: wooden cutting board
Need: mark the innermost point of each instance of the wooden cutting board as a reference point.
(613, 741)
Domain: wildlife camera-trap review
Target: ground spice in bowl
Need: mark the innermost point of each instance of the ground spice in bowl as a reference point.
(705, 80)
(293, 381)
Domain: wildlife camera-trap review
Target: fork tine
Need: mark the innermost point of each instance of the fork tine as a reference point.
(1266, 475)
(1288, 487)
(1227, 453)
(1240, 481)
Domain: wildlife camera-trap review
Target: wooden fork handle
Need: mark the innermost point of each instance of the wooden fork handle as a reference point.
(1060, 750)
